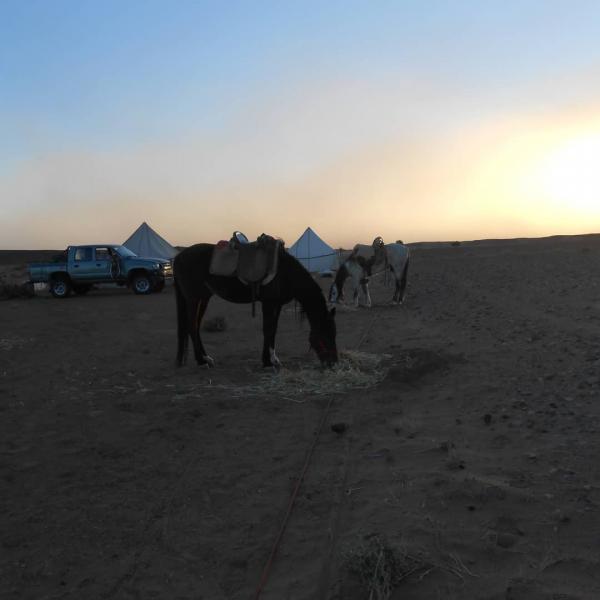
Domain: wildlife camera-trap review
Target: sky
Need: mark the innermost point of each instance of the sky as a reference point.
(408, 120)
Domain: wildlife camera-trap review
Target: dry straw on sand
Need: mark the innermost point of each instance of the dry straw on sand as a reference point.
(354, 370)
(381, 566)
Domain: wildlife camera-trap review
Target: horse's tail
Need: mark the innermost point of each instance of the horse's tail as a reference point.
(182, 328)
(338, 284)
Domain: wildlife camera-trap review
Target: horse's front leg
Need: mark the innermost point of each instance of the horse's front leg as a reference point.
(271, 312)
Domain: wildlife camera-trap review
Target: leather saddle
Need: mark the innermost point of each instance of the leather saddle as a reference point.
(369, 255)
(253, 263)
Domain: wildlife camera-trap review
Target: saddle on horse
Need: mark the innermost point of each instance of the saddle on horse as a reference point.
(368, 256)
(253, 263)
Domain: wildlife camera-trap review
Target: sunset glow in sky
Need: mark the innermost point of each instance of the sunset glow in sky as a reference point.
(410, 120)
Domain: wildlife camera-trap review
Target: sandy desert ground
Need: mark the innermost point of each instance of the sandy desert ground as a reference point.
(475, 460)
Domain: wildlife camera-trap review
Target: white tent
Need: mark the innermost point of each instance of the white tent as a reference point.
(314, 253)
(145, 242)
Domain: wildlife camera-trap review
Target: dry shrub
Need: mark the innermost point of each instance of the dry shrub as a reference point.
(417, 363)
(8, 291)
(215, 324)
(380, 567)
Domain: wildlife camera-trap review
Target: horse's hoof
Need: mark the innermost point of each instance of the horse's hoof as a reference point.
(209, 362)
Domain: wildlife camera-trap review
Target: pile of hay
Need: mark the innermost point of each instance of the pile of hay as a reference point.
(353, 370)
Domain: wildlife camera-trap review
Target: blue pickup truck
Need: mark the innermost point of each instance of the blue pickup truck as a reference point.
(85, 266)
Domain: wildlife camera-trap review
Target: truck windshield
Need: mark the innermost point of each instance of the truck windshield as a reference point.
(122, 251)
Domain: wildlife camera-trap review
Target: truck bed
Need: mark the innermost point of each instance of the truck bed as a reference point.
(40, 272)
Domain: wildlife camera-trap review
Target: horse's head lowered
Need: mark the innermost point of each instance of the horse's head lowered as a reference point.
(322, 339)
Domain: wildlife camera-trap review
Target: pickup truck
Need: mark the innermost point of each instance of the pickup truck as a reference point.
(84, 266)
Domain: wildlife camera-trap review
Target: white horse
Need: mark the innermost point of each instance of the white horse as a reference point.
(367, 260)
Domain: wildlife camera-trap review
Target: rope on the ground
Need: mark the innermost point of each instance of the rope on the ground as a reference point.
(367, 331)
(269, 564)
(267, 568)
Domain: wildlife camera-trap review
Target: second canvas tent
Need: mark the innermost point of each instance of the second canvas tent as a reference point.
(314, 254)
(145, 242)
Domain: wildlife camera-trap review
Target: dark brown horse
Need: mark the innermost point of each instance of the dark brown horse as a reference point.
(194, 286)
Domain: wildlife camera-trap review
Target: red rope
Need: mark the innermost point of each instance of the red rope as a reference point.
(266, 571)
(269, 564)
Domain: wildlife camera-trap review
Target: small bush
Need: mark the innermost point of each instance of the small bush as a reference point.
(9, 291)
(215, 324)
(455, 244)
(380, 567)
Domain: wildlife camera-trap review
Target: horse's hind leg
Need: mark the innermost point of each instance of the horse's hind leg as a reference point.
(363, 285)
(271, 312)
(402, 285)
(182, 326)
(195, 315)
(396, 298)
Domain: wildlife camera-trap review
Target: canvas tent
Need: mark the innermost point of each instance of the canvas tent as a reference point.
(145, 242)
(314, 254)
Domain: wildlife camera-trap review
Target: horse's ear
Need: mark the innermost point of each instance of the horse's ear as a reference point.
(332, 312)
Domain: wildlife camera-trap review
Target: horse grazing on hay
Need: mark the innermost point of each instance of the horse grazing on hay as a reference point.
(367, 260)
(194, 286)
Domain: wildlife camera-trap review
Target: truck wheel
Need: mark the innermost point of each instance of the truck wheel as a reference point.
(80, 290)
(141, 284)
(60, 287)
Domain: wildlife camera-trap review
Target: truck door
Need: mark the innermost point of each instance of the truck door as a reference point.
(102, 264)
(83, 264)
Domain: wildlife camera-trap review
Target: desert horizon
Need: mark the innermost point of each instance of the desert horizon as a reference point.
(553, 236)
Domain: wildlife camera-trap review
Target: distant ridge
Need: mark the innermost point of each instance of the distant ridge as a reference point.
(507, 241)
(17, 257)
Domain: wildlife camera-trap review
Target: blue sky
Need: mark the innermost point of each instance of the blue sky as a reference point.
(281, 90)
